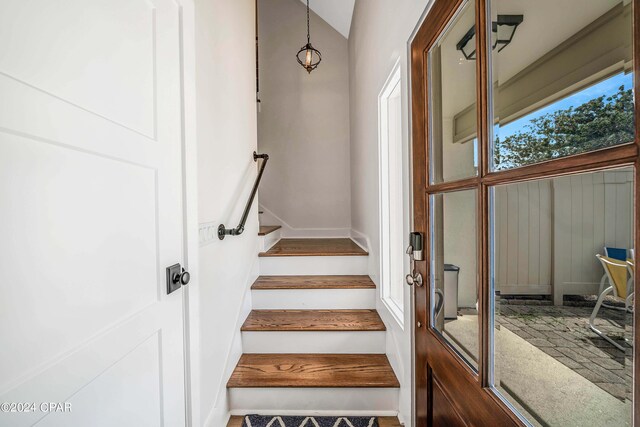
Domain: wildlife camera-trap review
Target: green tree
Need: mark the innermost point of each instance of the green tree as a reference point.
(598, 123)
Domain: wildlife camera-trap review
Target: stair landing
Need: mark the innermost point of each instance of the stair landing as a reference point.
(315, 247)
(268, 229)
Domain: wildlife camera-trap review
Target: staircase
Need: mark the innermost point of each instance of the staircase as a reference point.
(314, 343)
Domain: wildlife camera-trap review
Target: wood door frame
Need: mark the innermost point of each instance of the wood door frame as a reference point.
(436, 20)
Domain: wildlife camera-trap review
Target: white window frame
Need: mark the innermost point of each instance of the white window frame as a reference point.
(391, 203)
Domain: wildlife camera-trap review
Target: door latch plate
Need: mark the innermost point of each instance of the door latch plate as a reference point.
(173, 272)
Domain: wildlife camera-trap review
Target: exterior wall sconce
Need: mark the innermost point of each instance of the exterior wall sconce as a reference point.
(308, 56)
(502, 32)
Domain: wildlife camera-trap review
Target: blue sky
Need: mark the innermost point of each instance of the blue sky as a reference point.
(605, 87)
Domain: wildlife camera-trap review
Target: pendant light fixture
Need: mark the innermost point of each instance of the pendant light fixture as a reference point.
(308, 56)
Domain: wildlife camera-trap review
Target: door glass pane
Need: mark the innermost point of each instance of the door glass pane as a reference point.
(562, 78)
(452, 100)
(563, 290)
(454, 296)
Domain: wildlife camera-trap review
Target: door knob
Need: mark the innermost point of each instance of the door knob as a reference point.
(414, 279)
(176, 277)
(183, 277)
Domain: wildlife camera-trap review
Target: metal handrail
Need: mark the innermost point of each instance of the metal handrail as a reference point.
(222, 230)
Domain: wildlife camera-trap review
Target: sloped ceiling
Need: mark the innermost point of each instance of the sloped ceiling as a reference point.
(336, 13)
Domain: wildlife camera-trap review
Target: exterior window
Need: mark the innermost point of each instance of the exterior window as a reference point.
(564, 92)
(391, 201)
(562, 304)
(595, 117)
(562, 246)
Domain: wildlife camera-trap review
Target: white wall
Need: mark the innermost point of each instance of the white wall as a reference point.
(303, 122)
(379, 36)
(227, 135)
(549, 231)
(524, 237)
(590, 211)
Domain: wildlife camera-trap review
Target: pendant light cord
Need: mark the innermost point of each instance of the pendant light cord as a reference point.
(308, 34)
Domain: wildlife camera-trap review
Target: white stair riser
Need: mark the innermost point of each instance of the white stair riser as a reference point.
(266, 242)
(342, 342)
(314, 401)
(313, 299)
(313, 265)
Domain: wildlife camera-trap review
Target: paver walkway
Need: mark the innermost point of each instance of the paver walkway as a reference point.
(563, 333)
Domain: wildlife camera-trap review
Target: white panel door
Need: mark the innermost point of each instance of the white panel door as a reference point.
(91, 212)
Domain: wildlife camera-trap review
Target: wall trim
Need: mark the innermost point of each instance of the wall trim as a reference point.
(191, 294)
(360, 239)
(222, 414)
(288, 231)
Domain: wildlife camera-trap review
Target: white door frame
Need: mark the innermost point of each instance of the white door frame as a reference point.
(190, 208)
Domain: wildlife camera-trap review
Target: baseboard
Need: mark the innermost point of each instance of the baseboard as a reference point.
(402, 368)
(361, 239)
(217, 417)
(287, 231)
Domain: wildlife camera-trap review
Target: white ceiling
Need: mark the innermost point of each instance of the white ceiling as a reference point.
(336, 13)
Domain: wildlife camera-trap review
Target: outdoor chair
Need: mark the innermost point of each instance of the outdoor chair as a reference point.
(616, 274)
(619, 254)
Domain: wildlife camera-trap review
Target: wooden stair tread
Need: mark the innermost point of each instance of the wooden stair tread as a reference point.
(313, 320)
(313, 282)
(313, 370)
(267, 229)
(315, 247)
(236, 421)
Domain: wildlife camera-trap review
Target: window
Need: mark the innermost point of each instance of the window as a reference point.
(549, 235)
(453, 129)
(552, 341)
(563, 92)
(390, 143)
(454, 264)
(594, 117)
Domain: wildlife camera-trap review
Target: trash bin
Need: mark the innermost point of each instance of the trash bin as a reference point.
(451, 291)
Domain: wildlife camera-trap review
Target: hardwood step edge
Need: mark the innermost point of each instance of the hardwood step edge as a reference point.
(313, 282)
(251, 364)
(372, 321)
(310, 254)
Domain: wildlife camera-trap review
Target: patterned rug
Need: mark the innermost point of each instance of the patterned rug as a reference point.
(279, 421)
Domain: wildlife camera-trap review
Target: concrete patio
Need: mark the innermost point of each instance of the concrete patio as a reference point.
(546, 354)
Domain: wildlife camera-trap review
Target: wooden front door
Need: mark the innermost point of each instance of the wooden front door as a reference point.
(469, 82)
